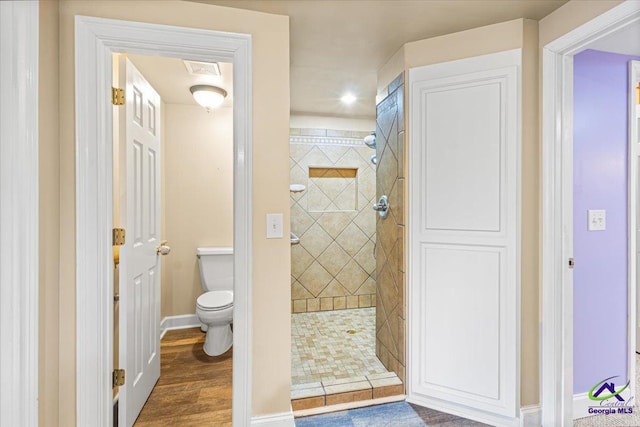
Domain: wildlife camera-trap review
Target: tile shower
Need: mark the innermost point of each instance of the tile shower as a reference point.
(347, 279)
(346, 326)
(391, 278)
(333, 267)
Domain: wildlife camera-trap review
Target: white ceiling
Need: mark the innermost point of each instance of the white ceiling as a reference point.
(339, 45)
(625, 41)
(172, 81)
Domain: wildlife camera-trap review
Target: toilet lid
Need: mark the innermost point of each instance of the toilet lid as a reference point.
(215, 300)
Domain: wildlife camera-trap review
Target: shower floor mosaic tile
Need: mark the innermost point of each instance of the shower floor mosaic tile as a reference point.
(322, 349)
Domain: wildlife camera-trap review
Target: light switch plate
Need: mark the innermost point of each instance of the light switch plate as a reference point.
(275, 226)
(597, 219)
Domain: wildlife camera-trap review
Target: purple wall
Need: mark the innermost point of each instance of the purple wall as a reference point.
(600, 182)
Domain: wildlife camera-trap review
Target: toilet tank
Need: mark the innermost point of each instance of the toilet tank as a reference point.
(216, 268)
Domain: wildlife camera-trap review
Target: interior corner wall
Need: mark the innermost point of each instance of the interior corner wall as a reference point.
(49, 215)
(530, 233)
(198, 166)
(389, 72)
(271, 363)
(600, 174)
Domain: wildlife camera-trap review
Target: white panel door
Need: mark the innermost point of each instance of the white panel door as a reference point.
(464, 236)
(139, 138)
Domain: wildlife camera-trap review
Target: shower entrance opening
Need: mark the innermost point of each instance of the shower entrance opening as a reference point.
(347, 276)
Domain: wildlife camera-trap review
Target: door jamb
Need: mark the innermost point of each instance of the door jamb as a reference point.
(556, 372)
(95, 40)
(634, 78)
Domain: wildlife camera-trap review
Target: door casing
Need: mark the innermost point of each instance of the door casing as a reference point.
(556, 330)
(634, 199)
(19, 213)
(95, 41)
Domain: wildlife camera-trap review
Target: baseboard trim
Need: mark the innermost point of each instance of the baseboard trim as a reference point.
(284, 419)
(581, 403)
(182, 321)
(530, 416)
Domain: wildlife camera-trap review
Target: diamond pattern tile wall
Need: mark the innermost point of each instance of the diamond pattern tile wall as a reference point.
(390, 278)
(333, 267)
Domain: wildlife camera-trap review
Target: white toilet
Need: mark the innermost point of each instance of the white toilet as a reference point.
(214, 307)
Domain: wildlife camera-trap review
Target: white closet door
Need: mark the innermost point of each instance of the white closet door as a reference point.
(464, 274)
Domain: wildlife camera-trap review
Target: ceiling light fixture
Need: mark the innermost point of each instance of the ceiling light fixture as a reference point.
(348, 98)
(208, 96)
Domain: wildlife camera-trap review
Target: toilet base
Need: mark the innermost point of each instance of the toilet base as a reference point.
(219, 339)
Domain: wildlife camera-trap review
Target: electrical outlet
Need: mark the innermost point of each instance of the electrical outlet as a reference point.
(597, 219)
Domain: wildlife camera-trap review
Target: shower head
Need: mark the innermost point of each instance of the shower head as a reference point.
(370, 140)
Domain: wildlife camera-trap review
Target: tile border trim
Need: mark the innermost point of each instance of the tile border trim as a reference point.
(343, 382)
(325, 140)
(350, 405)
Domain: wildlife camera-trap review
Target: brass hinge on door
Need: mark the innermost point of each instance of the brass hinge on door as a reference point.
(118, 377)
(118, 236)
(117, 96)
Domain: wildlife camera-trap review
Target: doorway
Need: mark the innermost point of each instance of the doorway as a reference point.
(604, 217)
(558, 374)
(173, 192)
(348, 319)
(96, 40)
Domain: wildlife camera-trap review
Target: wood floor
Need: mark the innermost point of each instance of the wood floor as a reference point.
(194, 389)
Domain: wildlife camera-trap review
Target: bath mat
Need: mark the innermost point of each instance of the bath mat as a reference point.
(399, 414)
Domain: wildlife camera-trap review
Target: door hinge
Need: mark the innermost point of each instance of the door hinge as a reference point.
(118, 236)
(118, 377)
(117, 96)
(572, 263)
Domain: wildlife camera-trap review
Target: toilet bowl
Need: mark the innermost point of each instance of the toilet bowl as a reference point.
(214, 307)
(215, 310)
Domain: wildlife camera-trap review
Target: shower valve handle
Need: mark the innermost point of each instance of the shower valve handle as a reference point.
(382, 207)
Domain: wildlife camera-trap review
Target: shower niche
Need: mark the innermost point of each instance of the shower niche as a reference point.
(333, 189)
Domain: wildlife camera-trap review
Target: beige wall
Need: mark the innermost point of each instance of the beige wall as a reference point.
(271, 260)
(530, 238)
(49, 214)
(508, 35)
(271, 257)
(388, 72)
(570, 16)
(198, 179)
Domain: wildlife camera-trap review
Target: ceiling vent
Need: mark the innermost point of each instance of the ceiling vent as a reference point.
(202, 68)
